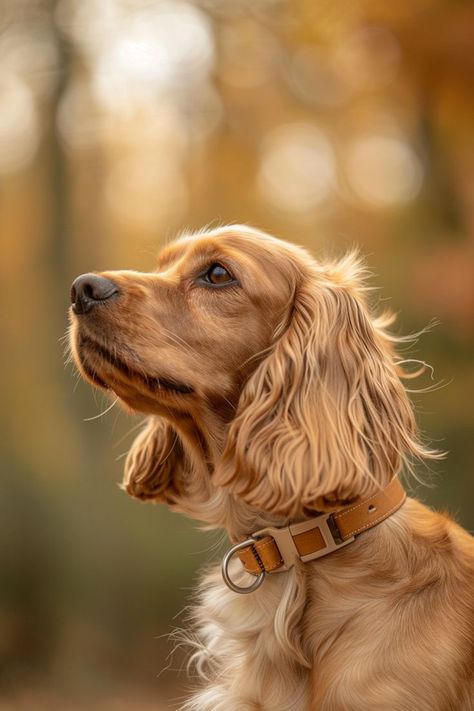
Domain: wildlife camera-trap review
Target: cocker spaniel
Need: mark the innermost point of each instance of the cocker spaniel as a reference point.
(276, 411)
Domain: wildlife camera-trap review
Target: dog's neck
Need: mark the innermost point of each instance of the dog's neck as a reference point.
(203, 436)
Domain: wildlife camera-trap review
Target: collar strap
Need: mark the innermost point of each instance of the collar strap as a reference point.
(273, 550)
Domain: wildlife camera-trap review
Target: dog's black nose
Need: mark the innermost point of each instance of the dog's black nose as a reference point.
(88, 290)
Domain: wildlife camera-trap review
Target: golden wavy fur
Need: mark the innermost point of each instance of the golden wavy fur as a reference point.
(272, 393)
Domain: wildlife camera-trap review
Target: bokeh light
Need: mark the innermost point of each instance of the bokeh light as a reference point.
(157, 47)
(297, 170)
(31, 53)
(383, 171)
(19, 125)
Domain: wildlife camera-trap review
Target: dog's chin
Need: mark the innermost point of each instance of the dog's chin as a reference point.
(137, 390)
(90, 374)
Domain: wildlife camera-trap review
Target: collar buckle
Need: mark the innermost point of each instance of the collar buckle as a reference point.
(284, 539)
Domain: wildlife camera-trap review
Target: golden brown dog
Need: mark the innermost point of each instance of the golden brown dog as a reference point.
(274, 394)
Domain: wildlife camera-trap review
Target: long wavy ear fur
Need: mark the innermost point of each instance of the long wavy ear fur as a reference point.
(154, 462)
(325, 418)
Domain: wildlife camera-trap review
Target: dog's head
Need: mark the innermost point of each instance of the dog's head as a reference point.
(254, 358)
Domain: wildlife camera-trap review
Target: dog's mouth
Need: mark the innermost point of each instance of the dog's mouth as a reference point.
(89, 351)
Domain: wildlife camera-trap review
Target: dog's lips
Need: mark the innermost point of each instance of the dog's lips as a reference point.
(87, 345)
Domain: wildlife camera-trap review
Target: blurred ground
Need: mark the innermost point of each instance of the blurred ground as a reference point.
(127, 700)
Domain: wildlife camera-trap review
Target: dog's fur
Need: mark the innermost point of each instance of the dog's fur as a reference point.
(287, 400)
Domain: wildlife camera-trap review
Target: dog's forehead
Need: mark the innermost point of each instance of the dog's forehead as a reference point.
(247, 246)
(187, 247)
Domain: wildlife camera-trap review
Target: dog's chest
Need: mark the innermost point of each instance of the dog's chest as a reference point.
(251, 648)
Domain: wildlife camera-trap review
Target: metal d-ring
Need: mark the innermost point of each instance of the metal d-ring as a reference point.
(225, 573)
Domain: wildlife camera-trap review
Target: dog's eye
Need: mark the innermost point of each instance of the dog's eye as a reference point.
(218, 275)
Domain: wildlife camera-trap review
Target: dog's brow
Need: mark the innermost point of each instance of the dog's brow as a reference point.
(170, 254)
(189, 253)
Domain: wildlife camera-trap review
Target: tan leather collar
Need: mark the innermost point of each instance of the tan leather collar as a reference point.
(272, 550)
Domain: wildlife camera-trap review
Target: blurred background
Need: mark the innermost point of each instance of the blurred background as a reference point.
(122, 122)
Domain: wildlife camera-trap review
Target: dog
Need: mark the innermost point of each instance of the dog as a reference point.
(277, 411)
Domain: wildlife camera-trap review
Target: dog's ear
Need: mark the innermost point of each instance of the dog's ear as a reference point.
(154, 463)
(324, 418)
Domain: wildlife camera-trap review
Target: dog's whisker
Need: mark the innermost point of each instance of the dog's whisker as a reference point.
(129, 432)
(101, 414)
